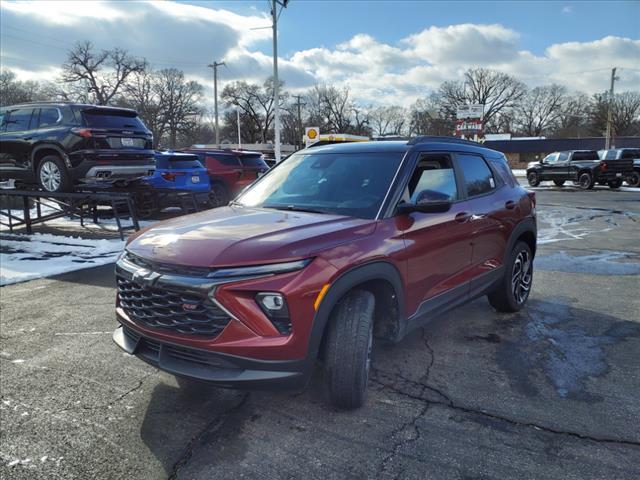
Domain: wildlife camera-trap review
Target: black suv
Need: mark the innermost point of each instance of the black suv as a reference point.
(583, 167)
(59, 144)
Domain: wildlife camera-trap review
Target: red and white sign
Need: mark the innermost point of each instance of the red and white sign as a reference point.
(469, 127)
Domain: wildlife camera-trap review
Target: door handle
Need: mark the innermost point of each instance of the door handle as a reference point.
(510, 205)
(462, 217)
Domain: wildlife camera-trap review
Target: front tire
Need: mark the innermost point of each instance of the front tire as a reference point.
(533, 179)
(586, 181)
(513, 291)
(53, 175)
(559, 183)
(347, 354)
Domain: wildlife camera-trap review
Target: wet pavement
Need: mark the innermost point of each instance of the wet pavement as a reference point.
(550, 392)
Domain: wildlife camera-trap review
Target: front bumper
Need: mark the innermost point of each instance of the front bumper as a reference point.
(223, 370)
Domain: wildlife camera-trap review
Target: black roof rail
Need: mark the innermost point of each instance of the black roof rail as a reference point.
(436, 139)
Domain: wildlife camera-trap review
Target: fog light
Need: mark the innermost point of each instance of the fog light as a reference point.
(275, 308)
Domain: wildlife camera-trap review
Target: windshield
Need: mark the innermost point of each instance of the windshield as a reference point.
(352, 184)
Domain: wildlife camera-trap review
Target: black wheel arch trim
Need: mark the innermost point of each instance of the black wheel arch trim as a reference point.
(528, 225)
(375, 270)
(47, 146)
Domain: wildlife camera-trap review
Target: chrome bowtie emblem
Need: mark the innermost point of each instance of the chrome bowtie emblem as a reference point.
(189, 306)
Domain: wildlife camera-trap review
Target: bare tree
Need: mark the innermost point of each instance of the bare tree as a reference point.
(497, 91)
(331, 108)
(388, 120)
(539, 110)
(428, 118)
(256, 104)
(14, 91)
(101, 74)
(625, 113)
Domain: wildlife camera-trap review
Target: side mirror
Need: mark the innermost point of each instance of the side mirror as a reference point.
(427, 201)
(541, 161)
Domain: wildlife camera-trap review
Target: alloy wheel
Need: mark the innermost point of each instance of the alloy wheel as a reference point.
(50, 176)
(521, 277)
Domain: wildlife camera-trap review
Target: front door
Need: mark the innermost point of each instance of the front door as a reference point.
(15, 143)
(438, 245)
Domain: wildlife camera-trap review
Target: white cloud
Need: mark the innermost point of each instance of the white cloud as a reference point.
(567, 9)
(37, 35)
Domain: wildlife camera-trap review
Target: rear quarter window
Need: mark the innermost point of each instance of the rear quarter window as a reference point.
(253, 161)
(501, 166)
(228, 160)
(478, 177)
(585, 156)
(630, 153)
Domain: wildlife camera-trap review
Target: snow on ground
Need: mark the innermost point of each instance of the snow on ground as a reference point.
(25, 257)
(518, 172)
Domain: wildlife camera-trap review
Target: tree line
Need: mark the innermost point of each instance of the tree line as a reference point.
(173, 107)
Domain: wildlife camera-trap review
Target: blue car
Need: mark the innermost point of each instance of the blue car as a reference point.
(179, 171)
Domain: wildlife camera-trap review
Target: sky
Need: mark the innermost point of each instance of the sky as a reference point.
(385, 52)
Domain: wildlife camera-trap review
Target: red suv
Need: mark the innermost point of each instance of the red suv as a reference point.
(333, 246)
(230, 171)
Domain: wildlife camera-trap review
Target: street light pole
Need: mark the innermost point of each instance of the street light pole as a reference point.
(276, 82)
(215, 66)
(607, 143)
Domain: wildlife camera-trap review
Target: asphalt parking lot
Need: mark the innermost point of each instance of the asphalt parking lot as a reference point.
(551, 392)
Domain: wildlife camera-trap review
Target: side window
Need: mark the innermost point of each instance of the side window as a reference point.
(478, 178)
(228, 160)
(434, 178)
(550, 158)
(563, 156)
(504, 171)
(49, 117)
(3, 117)
(611, 155)
(19, 120)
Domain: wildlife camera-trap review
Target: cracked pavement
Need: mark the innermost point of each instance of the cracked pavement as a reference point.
(551, 392)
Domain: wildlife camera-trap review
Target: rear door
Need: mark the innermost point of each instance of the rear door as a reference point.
(16, 140)
(225, 167)
(252, 167)
(488, 203)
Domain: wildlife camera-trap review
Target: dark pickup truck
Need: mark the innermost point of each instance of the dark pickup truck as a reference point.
(632, 177)
(583, 167)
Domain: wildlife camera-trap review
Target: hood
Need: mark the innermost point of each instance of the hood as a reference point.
(532, 164)
(232, 236)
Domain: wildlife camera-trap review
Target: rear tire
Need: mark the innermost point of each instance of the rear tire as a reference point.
(586, 181)
(347, 354)
(219, 195)
(634, 179)
(53, 175)
(533, 179)
(617, 183)
(513, 291)
(559, 183)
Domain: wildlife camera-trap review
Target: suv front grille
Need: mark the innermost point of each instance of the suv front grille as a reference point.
(171, 310)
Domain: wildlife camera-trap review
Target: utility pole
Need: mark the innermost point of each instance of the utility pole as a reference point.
(607, 144)
(299, 105)
(215, 66)
(238, 122)
(276, 84)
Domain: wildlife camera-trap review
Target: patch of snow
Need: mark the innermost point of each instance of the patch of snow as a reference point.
(25, 257)
(18, 360)
(519, 172)
(556, 224)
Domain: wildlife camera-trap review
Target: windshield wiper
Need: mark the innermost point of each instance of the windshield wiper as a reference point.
(293, 208)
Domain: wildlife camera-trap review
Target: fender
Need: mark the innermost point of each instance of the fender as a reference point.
(47, 146)
(524, 226)
(377, 270)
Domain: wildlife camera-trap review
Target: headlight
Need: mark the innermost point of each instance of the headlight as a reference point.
(275, 308)
(257, 270)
